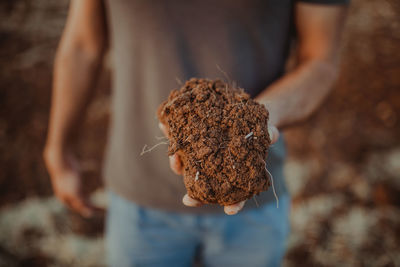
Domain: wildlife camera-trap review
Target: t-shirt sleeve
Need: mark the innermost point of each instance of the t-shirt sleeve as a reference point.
(327, 2)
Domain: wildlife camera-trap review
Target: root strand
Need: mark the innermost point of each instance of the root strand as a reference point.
(144, 150)
(273, 187)
(255, 200)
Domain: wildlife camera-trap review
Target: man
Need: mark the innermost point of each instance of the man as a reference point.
(153, 44)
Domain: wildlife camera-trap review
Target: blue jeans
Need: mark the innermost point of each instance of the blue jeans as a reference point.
(138, 236)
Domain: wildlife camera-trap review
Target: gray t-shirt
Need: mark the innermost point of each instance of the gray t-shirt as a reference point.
(157, 43)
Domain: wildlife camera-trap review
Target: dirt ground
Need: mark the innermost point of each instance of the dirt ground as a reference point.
(343, 169)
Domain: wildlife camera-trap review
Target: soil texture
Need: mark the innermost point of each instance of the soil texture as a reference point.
(221, 136)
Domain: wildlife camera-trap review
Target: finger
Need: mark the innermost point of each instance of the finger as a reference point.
(234, 208)
(88, 203)
(80, 204)
(81, 207)
(176, 164)
(163, 129)
(273, 134)
(68, 203)
(63, 200)
(95, 208)
(191, 202)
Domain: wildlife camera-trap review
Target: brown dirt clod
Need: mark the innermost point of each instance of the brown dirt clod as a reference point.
(221, 136)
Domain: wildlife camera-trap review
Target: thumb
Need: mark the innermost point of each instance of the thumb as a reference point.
(163, 129)
(175, 163)
(273, 133)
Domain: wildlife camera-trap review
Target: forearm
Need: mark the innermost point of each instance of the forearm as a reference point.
(299, 93)
(74, 77)
(75, 73)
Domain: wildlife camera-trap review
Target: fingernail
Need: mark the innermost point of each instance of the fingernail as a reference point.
(175, 164)
(231, 210)
(188, 201)
(270, 132)
(273, 133)
(234, 209)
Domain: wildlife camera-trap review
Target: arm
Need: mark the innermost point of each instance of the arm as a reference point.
(77, 64)
(299, 93)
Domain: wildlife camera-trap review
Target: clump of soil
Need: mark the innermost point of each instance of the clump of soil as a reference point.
(221, 136)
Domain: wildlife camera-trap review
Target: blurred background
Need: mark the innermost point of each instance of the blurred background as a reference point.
(343, 169)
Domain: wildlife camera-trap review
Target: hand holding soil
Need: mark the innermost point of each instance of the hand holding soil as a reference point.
(218, 140)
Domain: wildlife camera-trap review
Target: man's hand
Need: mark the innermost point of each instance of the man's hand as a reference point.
(66, 181)
(295, 96)
(176, 166)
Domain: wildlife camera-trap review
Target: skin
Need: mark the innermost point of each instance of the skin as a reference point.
(289, 100)
(77, 64)
(299, 93)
